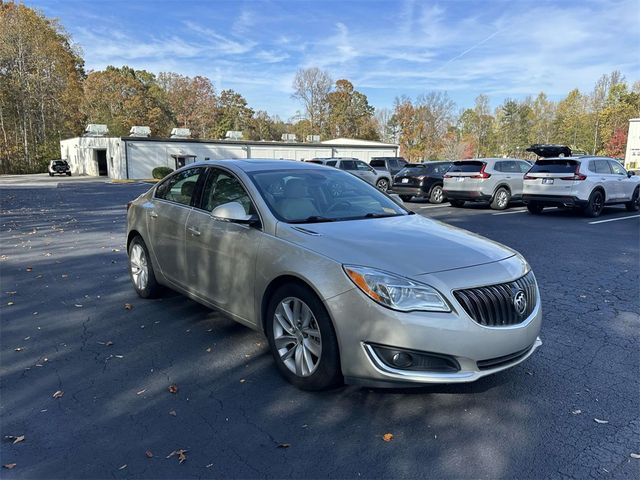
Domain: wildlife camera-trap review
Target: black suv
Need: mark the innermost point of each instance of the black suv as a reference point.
(421, 180)
(61, 167)
(392, 164)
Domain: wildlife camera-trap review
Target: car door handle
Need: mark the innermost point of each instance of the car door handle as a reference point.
(194, 231)
(153, 214)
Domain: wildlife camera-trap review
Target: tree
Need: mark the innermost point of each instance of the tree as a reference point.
(311, 86)
(124, 97)
(232, 113)
(477, 124)
(544, 112)
(40, 89)
(192, 101)
(387, 126)
(571, 124)
(349, 113)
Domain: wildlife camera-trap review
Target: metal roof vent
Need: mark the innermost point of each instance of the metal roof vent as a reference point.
(233, 135)
(180, 133)
(313, 138)
(138, 131)
(96, 130)
(289, 137)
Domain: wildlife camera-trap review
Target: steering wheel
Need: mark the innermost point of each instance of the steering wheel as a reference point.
(339, 203)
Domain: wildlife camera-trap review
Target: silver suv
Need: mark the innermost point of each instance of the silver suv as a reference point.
(379, 178)
(494, 180)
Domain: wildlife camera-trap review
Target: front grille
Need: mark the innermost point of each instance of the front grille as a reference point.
(493, 305)
(501, 361)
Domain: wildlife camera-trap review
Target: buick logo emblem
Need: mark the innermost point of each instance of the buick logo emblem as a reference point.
(520, 302)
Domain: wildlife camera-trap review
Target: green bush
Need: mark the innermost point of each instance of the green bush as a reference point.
(161, 172)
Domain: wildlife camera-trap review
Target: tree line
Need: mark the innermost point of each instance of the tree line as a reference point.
(46, 95)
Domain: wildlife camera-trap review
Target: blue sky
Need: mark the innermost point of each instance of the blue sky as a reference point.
(502, 48)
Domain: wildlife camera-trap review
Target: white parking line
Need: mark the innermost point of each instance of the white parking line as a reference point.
(511, 212)
(614, 219)
(433, 206)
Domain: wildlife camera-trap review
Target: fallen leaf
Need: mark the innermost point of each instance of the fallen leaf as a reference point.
(576, 412)
(173, 389)
(119, 356)
(173, 413)
(123, 467)
(597, 420)
(180, 453)
(29, 269)
(9, 303)
(128, 306)
(149, 454)
(9, 466)
(387, 437)
(242, 380)
(141, 391)
(19, 349)
(109, 343)
(78, 305)
(58, 394)
(635, 455)
(209, 350)
(19, 439)
(210, 465)
(283, 445)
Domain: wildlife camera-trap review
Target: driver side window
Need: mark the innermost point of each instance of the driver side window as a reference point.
(222, 187)
(617, 168)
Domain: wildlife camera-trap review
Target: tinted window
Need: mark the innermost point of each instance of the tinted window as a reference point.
(363, 166)
(440, 168)
(377, 163)
(499, 166)
(180, 187)
(393, 163)
(554, 166)
(332, 163)
(347, 165)
(321, 195)
(510, 166)
(524, 166)
(616, 168)
(222, 187)
(466, 167)
(315, 161)
(600, 166)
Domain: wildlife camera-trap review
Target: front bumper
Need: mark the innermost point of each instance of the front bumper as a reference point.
(555, 200)
(470, 196)
(361, 324)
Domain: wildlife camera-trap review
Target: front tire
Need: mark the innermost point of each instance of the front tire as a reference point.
(141, 271)
(383, 184)
(634, 204)
(456, 203)
(302, 339)
(501, 199)
(596, 204)
(437, 195)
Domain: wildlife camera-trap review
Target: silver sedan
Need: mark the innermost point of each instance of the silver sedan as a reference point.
(346, 284)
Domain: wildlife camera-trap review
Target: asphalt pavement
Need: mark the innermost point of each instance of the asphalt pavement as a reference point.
(70, 322)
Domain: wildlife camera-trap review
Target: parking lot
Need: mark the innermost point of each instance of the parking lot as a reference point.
(72, 323)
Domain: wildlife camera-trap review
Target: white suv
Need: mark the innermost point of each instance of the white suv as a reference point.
(588, 183)
(378, 178)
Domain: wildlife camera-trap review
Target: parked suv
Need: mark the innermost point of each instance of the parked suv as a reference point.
(391, 164)
(588, 183)
(494, 180)
(60, 167)
(379, 178)
(421, 180)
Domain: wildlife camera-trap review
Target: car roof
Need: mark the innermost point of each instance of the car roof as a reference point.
(258, 164)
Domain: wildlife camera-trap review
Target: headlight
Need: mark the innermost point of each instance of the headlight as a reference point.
(396, 292)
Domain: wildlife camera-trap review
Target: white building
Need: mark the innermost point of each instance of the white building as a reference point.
(632, 155)
(135, 157)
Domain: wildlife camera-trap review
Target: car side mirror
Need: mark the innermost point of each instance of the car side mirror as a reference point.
(630, 173)
(233, 212)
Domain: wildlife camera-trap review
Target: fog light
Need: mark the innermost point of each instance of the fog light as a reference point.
(402, 360)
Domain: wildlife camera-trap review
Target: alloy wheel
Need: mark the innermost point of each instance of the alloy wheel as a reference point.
(297, 336)
(597, 204)
(383, 184)
(502, 199)
(139, 267)
(437, 195)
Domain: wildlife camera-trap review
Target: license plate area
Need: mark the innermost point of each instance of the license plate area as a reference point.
(405, 180)
(547, 181)
(459, 179)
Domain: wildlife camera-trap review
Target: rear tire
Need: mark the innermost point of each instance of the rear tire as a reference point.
(325, 372)
(456, 203)
(141, 271)
(406, 198)
(437, 195)
(501, 199)
(535, 208)
(50, 174)
(634, 204)
(596, 204)
(68, 174)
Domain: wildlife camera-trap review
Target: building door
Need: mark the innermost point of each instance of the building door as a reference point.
(101, 158)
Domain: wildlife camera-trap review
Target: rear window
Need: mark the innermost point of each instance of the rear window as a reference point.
(554, 166)
(377, 163)
(466, 167)
(60, 162)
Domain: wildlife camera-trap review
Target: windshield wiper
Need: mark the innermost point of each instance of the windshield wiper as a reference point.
(381, 215)
(313, 219)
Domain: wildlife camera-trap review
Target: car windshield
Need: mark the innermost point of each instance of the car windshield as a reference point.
(316, 195)
(554, 166)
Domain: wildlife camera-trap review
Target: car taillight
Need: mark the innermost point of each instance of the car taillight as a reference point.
(482, 173)
(448, 176)
(576, 176)
(529, 177)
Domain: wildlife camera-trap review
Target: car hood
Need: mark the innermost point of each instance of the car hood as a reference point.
(407, 245)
